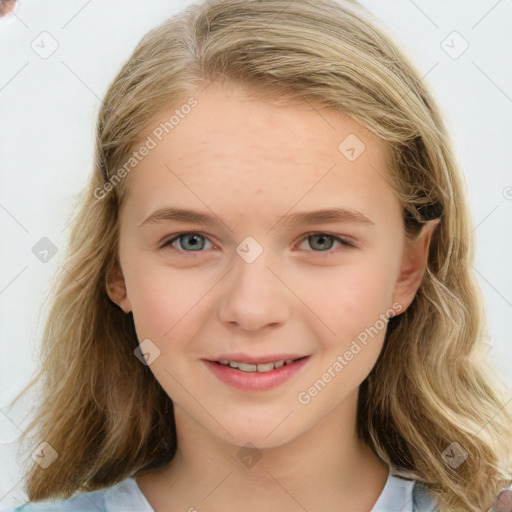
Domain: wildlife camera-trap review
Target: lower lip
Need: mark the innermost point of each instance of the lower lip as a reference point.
(255, 381)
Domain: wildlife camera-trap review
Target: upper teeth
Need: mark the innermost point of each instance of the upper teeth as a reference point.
(263, 367)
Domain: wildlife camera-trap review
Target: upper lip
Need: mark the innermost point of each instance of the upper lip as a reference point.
(244, 358)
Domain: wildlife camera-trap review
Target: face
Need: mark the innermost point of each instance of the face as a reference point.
(249, 284)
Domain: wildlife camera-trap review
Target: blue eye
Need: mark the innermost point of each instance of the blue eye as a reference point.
(319, 239)
(193, 242)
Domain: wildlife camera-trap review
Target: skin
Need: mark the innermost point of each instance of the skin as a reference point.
(250, 162)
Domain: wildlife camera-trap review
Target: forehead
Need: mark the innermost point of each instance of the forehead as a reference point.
(234, 149)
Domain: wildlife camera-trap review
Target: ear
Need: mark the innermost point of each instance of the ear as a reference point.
(116, 288)
(414, 263)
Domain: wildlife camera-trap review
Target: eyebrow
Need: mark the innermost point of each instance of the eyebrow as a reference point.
(322, 216)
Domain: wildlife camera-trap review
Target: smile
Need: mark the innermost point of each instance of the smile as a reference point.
(262, 367)
(255, 376)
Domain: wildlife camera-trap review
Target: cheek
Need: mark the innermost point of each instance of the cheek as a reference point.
(352, 299)
(161, 299)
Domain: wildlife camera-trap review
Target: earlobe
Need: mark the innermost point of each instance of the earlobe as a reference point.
(414, 264)
(116, 288)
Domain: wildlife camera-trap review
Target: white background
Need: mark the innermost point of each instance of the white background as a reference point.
(48, 110)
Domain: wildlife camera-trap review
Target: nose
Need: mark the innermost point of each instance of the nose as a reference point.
(254, 295)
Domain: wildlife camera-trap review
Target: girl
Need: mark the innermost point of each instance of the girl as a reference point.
(319, 345)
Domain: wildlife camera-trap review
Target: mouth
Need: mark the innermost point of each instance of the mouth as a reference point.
(260, 374)
(263, 367)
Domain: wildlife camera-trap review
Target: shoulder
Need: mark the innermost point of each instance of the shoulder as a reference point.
(122, 497)
(423, 501)
(406, 494)
(86, 502)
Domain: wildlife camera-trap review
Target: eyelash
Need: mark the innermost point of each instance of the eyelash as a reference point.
(330, 252)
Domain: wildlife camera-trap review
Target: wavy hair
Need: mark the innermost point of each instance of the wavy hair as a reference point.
(431, 385)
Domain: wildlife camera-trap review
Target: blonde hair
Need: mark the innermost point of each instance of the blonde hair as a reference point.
(431, 386)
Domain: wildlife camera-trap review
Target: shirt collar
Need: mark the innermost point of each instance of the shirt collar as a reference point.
(396, 495)
(127, 496)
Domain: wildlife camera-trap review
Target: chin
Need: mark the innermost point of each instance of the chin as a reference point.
(261, 436)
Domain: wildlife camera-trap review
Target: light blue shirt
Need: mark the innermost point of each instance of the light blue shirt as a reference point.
(399, 495)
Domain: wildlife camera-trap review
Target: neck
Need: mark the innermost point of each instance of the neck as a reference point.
(212, 474)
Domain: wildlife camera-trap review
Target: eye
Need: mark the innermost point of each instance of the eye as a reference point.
(323, 242)
(189, 242)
